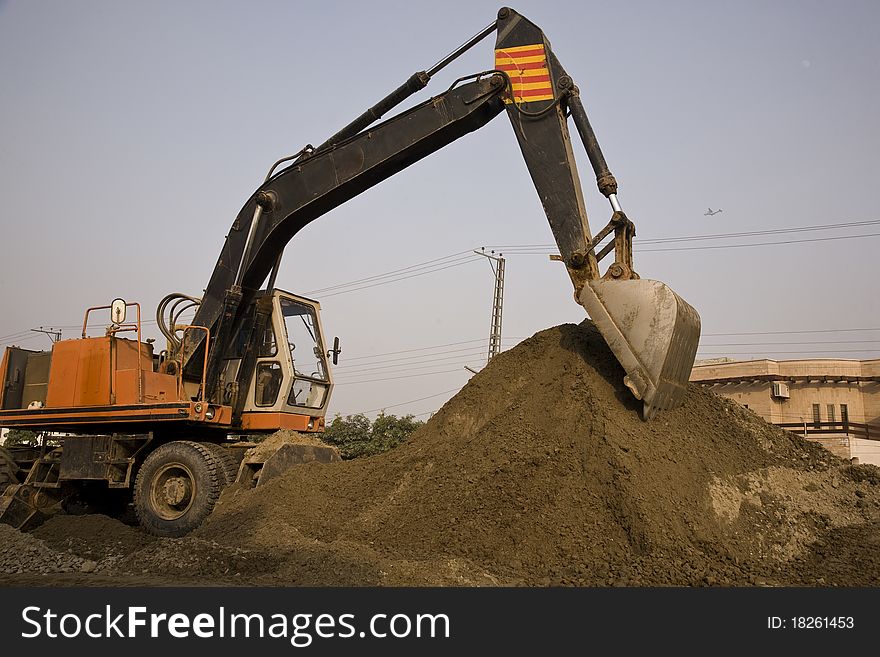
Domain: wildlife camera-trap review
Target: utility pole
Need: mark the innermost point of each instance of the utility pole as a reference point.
(496, 262)
(53, 333)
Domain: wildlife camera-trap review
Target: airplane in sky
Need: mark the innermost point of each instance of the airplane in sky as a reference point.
(711, 213)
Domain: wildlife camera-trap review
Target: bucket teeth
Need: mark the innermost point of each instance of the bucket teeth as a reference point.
(652, 331)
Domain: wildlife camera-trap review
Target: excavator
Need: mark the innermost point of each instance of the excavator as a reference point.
(119, 420)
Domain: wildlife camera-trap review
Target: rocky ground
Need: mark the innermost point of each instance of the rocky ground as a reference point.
(538, 473)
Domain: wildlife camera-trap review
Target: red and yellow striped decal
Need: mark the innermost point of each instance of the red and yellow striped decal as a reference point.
(529, 75)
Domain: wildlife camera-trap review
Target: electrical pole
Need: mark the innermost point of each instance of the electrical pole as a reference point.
(53, 333)
(497, 265)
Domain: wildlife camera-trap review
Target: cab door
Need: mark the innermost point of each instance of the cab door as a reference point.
(312, 383)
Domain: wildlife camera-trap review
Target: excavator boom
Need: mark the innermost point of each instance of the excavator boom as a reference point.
(651, 330)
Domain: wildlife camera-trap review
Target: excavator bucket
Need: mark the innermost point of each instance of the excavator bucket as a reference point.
(652, 331)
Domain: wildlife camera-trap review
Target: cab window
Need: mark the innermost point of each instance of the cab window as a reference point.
(303, 340)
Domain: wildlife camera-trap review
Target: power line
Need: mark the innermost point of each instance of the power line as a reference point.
(401, 370)
(390, 273)
(738, 246)
(405, 351)
(439, 346)
(376, 367)
(464, 257)
(393, 369)
(19, 340)
(418, 365)
(397, 369)
(839, 330)
(660, 240)
(400, 278)
(411, 401)
(419, 269)
(512, 251)
(754, 233)
(394, 378)
(406, 358)
(514, 338)
(15, 336)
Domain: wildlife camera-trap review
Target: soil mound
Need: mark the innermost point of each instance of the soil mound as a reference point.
(284, 437)
(539, 472)
(92, 536)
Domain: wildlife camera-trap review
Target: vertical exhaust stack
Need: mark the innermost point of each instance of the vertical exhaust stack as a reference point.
(651, 330)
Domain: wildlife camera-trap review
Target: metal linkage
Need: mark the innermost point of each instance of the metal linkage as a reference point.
(624, 229)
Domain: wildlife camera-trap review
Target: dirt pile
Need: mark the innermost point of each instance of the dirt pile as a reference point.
(95, 537)
(86, 549)
(539, 472)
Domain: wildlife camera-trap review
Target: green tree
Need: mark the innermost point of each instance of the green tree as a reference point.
(355, 435)
(389, 430)
(349, 434)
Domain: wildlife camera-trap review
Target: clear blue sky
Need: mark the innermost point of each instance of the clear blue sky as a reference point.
(132, 133)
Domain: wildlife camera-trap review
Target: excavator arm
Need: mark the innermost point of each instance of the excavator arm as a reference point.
(651, 330)
(313, 186)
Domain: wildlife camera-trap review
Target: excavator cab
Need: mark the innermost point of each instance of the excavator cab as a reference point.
(291, 374)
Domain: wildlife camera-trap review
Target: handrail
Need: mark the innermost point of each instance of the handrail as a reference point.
(856, 429)
(205, 363)
(119, 327)
(124, 327)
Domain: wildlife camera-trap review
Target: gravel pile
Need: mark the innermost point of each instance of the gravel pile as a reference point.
(24, 553)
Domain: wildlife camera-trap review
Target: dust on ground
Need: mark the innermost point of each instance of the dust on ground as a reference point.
(539, 472)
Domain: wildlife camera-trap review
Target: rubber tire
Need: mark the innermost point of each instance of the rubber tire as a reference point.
(228, 463)
(8, 470)
(208, 480)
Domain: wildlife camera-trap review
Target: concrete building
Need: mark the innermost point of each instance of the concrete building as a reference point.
(836, 402)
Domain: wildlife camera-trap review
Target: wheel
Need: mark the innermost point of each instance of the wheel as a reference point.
(8, 470)
(228, 463)
(177, 487)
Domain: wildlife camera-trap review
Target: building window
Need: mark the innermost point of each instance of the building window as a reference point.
(844, 414)
(831, 413)
(816, 417)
